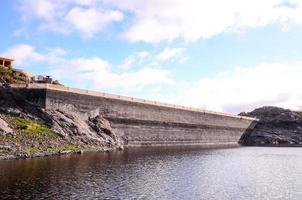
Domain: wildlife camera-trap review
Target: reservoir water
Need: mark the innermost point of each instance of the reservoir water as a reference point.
(161, 173)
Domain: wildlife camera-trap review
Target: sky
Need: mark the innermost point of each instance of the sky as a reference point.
(228, 56)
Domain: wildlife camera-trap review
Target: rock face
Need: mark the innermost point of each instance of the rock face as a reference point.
(93, 130)
(276, 126)
(4, 126)
(22, 125)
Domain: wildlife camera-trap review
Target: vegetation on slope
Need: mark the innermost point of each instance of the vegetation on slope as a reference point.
(34, 137)
(11, 75)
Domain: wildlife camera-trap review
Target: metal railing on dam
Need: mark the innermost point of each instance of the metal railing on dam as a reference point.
(119, 97)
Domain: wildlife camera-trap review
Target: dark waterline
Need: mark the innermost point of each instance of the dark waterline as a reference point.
(161, 173)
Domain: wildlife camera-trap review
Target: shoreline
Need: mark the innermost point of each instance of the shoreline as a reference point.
(22, 156)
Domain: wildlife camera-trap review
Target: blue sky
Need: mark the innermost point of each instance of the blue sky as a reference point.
(226, 56)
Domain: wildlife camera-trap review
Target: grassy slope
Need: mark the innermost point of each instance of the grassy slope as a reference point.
(35, 137)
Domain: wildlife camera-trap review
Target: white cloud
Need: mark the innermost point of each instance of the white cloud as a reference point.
(167, 20)
(151, 31)
(99, 74)
(128, 63)
(65, 16)
(155, 59)
(24, 54)
(244, 89)
(90, 21)
(86, 2)
(45, 9)
(170, 54)
(160, 20)
(94, 72)
(142, 55)
(137, 59)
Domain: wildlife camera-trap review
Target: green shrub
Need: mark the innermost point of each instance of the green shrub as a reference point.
(32, 149)
(31, 127)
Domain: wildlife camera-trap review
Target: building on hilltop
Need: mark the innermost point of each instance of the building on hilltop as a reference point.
(10, 74)
(46, 79)
(6, 62)
(13, 75)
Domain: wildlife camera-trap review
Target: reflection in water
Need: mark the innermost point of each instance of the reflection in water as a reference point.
(165, 173)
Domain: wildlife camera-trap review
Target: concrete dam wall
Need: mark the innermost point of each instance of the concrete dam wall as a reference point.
(144, 122)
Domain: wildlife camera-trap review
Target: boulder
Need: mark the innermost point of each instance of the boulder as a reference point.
(4, 126)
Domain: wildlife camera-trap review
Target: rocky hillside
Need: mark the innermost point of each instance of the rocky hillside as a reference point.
(277, 126)
(27, 131)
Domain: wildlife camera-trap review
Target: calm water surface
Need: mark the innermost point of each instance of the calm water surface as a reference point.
(237, 173)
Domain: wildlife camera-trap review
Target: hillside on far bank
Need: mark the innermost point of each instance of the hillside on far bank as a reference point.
(276, 126)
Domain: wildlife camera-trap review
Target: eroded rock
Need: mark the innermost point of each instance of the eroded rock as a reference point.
(4, 126)
(276, 126)
(97, 130)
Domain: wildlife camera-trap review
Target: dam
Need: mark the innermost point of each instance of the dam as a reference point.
(142, 122)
